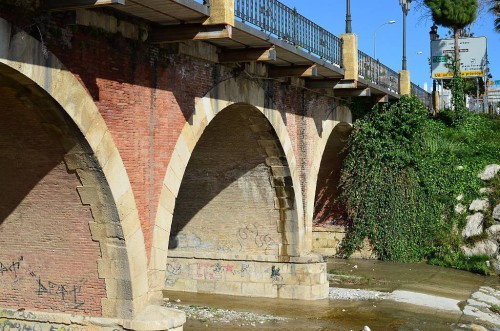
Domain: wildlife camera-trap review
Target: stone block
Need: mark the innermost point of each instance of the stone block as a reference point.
(479, 205)
(158, 258)
(283, 203)
(474, 225)
(97, 230)
(167, 199)
(229, 288)
(350, 55)
(280, 171)
(404, 82)
(163, 218)
(205, 286)
(496, 212)
(94, 136)
(117, 308)
(118, 289)
(221, 12)
(300, 292)
(117, 176)
(105, 149)
(172, 182)
(489, 172)
(320, 291)
(483, 247)
(113, 251)
(254, 290)
(126, 205)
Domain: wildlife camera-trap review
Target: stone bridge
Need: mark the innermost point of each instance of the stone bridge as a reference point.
(154, 145)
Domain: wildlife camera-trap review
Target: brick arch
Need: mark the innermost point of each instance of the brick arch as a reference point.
(243, 93)
(341, 116)
(26, 61)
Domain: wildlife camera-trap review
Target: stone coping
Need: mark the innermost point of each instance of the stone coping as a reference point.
(334, 228)
(153, 317)
(310, 258)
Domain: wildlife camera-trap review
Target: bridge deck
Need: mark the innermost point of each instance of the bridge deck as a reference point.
(247, 36)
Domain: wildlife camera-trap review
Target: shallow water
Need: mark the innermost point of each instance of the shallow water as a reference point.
(353, 315)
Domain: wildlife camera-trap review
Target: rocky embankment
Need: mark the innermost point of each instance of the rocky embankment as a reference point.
(483, 223)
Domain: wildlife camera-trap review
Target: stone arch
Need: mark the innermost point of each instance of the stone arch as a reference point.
(230, 93)
(341, 117)
(26, 61)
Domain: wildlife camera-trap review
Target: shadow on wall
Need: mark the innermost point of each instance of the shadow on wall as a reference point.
(327, 211)
(226, 197)
(45, 240)
(24, 164)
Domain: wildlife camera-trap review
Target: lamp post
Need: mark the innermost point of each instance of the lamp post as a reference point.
(433, 35)
(405, 5)
(348, 27)
(375, 37)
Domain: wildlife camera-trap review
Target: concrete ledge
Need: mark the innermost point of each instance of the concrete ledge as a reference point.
(153, 318)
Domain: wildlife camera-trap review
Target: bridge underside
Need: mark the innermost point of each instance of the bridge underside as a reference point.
(235, 213)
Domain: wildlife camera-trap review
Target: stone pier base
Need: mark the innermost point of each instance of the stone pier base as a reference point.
(289, 280)
(153, 318)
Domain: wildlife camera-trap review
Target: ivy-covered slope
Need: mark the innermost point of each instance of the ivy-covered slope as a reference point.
(402, 174)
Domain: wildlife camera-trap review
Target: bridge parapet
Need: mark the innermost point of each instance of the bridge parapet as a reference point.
(287, 24)
(374, 71)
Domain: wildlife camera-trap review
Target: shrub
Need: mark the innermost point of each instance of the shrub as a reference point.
(401, 176)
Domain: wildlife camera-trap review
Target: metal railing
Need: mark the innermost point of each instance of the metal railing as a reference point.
(375, 72)
(287, 24)
(422, 94)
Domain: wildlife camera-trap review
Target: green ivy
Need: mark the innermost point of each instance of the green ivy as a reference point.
(401, 177)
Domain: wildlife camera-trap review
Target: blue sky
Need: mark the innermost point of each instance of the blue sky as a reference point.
(368, 15)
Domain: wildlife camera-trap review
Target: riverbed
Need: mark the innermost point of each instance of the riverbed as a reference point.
(374, 281)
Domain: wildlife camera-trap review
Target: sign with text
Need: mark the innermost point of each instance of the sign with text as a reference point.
(473, 57)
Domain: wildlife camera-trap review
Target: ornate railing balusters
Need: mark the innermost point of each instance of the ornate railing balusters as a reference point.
(287, 24)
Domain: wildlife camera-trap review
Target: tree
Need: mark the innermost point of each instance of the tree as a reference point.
(495, 9)
(456, 15)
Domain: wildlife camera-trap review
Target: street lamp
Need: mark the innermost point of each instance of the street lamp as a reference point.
(375, 37)
(348, 27)
(405, 5)
(433, 35)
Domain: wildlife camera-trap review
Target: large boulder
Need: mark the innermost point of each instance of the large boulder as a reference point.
(479, 205)
(483, 247)
(489, 172)
(496, 212)
(493, 232)
(474, 225)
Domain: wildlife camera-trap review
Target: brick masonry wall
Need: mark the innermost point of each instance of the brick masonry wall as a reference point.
(327, 211)
(147, 94)
(48, 260)
(226, 203)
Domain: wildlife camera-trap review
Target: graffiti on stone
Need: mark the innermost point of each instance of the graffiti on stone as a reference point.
(275, 275)
(221, 271)
(173, 270)
(249, 235)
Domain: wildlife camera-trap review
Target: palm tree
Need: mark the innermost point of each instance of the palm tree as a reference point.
(495, 9)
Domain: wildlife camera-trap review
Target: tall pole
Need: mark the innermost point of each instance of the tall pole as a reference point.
(405, 5)
(404, 67)
(348, 26)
